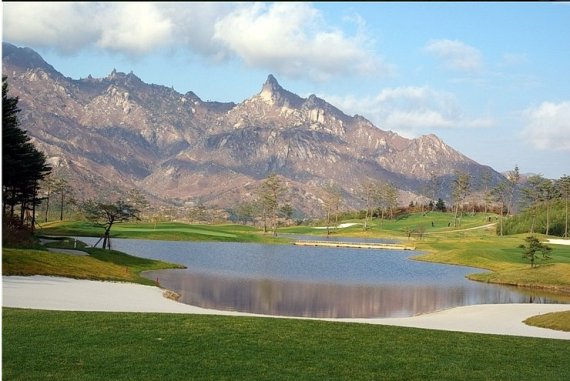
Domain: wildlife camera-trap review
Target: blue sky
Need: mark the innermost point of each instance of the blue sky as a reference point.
(492, 79)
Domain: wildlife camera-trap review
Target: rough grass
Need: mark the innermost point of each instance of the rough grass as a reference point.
(49, 345)
(101, 264)
(554, 320)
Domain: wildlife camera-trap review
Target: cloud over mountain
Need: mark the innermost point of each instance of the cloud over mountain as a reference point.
(411, 110)
(290, 39)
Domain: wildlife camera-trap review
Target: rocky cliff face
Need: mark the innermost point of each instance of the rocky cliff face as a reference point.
(120, 133)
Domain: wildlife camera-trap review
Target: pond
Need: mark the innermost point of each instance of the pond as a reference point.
(316, 281)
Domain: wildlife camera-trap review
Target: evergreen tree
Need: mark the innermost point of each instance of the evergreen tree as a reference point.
(23, 166)
(440, 205)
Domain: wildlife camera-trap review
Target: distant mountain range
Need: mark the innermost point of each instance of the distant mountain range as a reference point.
(112, 134)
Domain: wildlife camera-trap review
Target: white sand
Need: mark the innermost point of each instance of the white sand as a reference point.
(559, 241)
(51, 293)
(341, 226)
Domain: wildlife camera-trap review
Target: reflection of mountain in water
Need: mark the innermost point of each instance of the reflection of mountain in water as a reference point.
(271, 297)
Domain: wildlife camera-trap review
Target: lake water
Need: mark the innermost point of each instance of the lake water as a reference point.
(316, 281)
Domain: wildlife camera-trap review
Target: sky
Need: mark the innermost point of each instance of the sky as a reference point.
(491, 79)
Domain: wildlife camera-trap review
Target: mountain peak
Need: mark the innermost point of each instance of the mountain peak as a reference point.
(270, 88)
(274, 94)
(271, 81)
(25, 58)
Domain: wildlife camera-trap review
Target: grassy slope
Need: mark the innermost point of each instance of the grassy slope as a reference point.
(504, 259)
(99, 265)
(555, 320)
(44, 345)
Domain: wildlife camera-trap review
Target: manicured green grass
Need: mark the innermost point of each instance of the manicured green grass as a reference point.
(101, 264)
(49, 345)
(168, 231)
(554, 320)
(503, 257)
(428, 222)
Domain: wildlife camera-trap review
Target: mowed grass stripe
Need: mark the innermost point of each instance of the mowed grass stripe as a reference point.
(44, 345)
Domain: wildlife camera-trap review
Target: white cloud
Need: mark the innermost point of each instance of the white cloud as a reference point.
(411, 111)
(293, 39)
(134, 28)
(130, 28)
(548, 126)
(289, 39)
(66, 27)
(456, 55)
(194, 26)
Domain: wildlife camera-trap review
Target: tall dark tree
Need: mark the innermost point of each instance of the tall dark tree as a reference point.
(23, 166)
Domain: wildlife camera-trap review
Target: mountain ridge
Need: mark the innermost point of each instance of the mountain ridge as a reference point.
(118, 132)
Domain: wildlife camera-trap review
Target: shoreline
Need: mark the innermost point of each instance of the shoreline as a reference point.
(67, 294)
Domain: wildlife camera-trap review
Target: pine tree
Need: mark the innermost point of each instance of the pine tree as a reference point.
(23, 166)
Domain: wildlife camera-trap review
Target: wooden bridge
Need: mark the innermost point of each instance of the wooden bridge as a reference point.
(355, 245)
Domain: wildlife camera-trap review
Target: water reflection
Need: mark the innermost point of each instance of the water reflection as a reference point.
(326, 300)
(317, 282)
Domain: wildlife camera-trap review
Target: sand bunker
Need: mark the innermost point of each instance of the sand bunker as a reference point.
(52, 293)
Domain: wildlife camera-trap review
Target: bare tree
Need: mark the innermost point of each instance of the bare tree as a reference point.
(367, 188)
(563, 184)
(513, 178)
(487, 194)
(434, 187)
(461, 189)
(331, 203)
(61, 186)
(271, 192)
(137, 199)
(533, 197)
(501, 194)
(391, 198)
(47, 186)
(548, 193)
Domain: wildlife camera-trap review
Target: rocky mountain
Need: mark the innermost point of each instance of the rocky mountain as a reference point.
(118, 133)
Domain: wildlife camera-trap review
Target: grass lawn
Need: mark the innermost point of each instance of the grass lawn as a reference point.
(503, 257)
(168, 231)
(50, 345)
